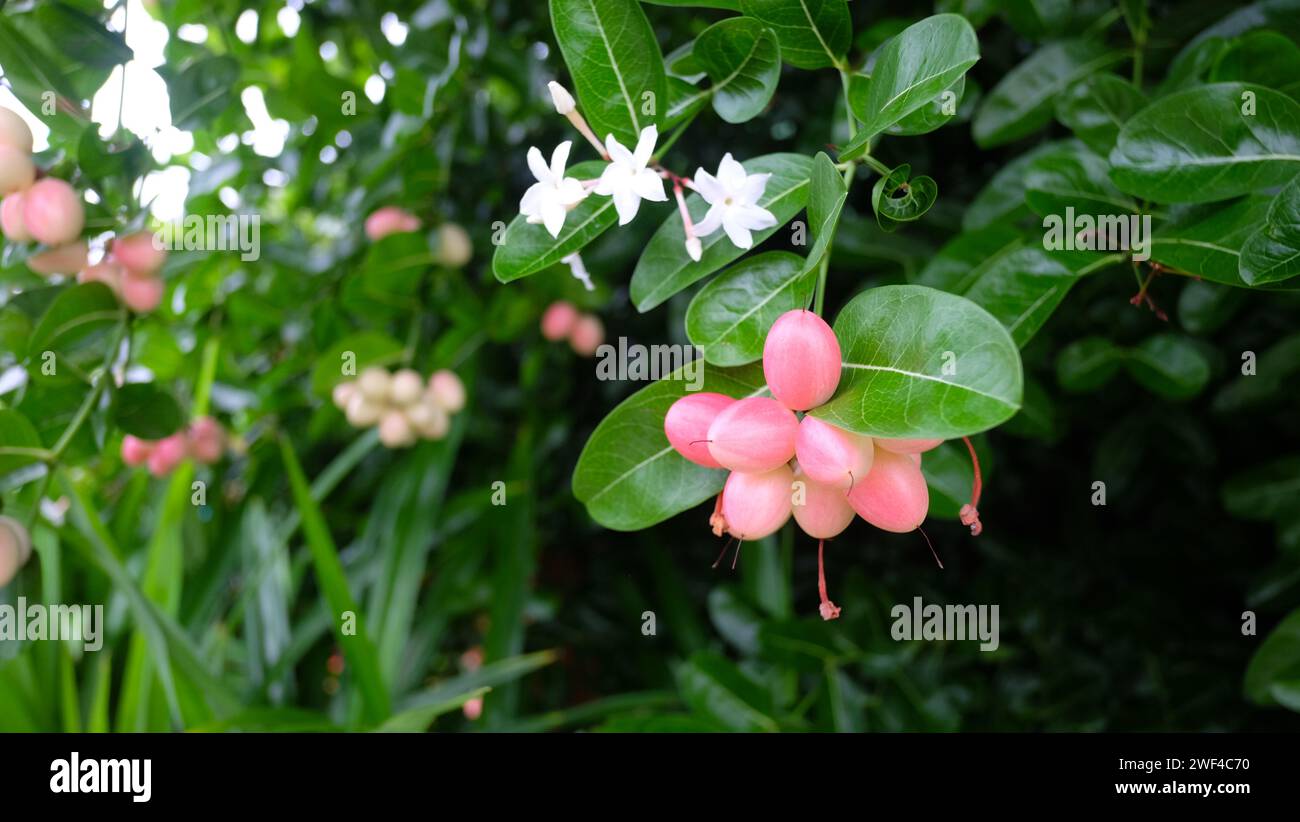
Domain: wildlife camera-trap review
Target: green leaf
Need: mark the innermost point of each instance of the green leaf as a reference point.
(1073, 177)
(1169, 365)
(628, 476)
(956, 266)
(1206, 240)
(1276, 662)
(742, 58)
(1198, 146)
(147, 411)
(1085, 365)
(896, 198)
(1263, 57)
(1002, 200)
(1272, 253)
(350, 356)
(813, 33)
(951, 105)
(729, 318)
(529, 248)
(1267, 492)
(921, 363)
(1036, 19)
(665, 268)
(417, 711)
(16, 432)
(617, 68)
(82, 37)
(1022, 102)
(1021, 288)
(949, 474)
(74, 315)
(362, 660)
(912, 70)
(725, 5)
(202, 90)
(1096, 108)
(715, 688)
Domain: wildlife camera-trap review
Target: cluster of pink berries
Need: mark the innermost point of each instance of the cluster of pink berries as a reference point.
(15, 549)
(454, 247)
(48, 211)
(403, 406)
(204, 440)
(585, 332)
(782, 465)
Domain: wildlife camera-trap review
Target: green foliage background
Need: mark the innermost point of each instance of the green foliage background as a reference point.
(1122, 617)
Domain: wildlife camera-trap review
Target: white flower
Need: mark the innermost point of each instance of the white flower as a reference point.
(627, 179)
(579, 270)
(548, 200)
(733, 202)
(564, 102)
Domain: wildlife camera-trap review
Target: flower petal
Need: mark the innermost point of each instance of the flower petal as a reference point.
(531, 202)
(617, 152)
(755, 184)
(711, 222)
(753, 217)
(559, 158)
(736, 231)
(649, 186)
(553, 217)
(627, 204)
(645, 145)
(610, 180)
(537, 165)
(731, 174)
(708, 187)
(571, 191)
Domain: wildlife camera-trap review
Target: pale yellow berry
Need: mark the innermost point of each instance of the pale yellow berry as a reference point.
(454, 245)
(406, 388)
(15, 548)
(394, 430)
(362, 412)
(374, 383)
(342, 393)
(14, 131)
(428, 419)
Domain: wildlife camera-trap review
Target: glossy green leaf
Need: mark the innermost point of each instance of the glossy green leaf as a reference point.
(665, 268)
(628, 476)
(1002, 200)
(76, 313)
(729, 318)
(922, 363)
(201, 90)
(956, 266)
(813, 33)
(1085, 365)
(1266, 492)
(1272, 253)
(1266, 58)
(1096, 108)
(617, 68)
(16, 433)
(716, 688)
(147, 411)
(1206, 240)
(529, 248)
(1169, 365)
(912, 70)
(1021, 288)
(1209, 143)
(85, 38)
(1277, 662)
(1073, 177)
(743, 61)
(350, 356)
(1022, 102)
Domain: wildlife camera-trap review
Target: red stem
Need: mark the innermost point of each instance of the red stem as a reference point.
(970, 514)
(829, 610)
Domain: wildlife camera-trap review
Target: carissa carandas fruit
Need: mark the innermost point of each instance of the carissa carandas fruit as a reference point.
(782, 465)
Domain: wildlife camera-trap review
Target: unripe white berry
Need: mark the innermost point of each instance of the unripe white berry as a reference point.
(17, 171)
(342, 393)
(15, 548)
(374, 383)
(14, 131)
(447, 390)
(406, 388)
(362, 412)
(428, 419)
(394, 430)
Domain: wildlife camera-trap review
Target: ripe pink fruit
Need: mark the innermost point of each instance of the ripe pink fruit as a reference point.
(342, 393)
(107, 272)
(135, 451)
(447, 390)
(825, 511)
(167, 454)
(587, 334)
(52, 212)
(832, 455)
(755, 434)
(755, 505)
(15, 548)
(14, 131)
(11, 219)
(907, 446)
(394, 430)
(66, 259)
(390, 220)
(207, 440)
(558, 320)
(687, 425)
(801, 360)
(137, 253)
(894, 496)
(141, 294)
(17, 171)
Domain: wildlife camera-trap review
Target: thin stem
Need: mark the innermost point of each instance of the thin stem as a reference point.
(879, 167)
(848, 109)
(819, 296)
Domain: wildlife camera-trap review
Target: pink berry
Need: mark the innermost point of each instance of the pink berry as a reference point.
(907, 446)
(11, 219)
(587, 334)
(687, 425)
(822, 510)
(558, 320)
(447, 390)
(138, 254)
(832, 455)
(17, 171)
(66, 259)
(15, 548)
(207, 441)
(755, 434)
(135, 451)
(52, 212)
(390, 220)
(107, 272)
(167, 454)
(801, 360)
(141, 294)
(894, 496)
(755, 505)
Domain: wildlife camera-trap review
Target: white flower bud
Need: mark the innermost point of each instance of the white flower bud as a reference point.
(564, 102)
(694, 248)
